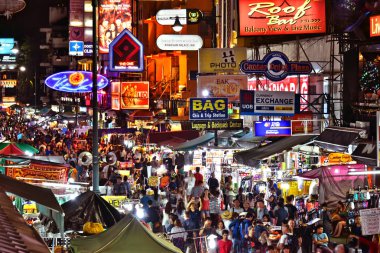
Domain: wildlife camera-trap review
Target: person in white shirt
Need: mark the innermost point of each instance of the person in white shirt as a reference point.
(190, 183)
(236, 207)
(284, 238)
(178, 235)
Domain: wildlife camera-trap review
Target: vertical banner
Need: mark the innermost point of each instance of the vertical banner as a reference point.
(378, 137)
(114, 17)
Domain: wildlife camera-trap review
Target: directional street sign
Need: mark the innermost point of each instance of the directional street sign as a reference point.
(126, 53)
(76, 48)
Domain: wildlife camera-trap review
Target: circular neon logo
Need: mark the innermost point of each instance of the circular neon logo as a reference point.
(76, 78)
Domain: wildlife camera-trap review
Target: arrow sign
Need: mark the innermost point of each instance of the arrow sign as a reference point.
(126, 53)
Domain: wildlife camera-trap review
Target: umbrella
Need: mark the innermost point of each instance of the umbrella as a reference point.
(14, 148)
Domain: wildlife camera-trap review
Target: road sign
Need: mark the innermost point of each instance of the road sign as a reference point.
(126, 53)
(76, 48)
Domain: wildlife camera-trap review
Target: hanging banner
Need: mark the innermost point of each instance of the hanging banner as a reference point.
(208, 108)
(270, 103)
(273, 128)
(134, 95)
(275, 66)
(218, 60)
(228, 86)
(40, 171)
(232, 124)
(278, 17)
(114, 17)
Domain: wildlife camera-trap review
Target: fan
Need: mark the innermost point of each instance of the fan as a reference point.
(111, 158)
(85, 159)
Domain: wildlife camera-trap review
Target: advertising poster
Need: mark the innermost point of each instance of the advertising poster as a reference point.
(279, 17)
(228, 86)
(57, 173)
(114, 17)
(267, 103)
(208, 108)
(273, 128)
(134, 95)
(221, 60)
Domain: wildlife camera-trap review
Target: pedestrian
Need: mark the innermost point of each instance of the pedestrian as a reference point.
(178, 235)
(224, 244)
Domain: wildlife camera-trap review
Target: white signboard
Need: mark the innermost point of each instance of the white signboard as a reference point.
(179, 42)
(370, 219)
(167, 16)
(222, 86)
(274, 103)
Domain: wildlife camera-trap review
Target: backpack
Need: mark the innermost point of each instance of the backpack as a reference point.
(292, 243)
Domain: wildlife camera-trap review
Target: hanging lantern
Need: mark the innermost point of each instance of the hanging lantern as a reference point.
(9, 7)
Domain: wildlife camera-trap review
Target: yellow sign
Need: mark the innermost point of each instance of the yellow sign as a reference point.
(115, 200)
(338, 158)
(8, 83)
(217, 60)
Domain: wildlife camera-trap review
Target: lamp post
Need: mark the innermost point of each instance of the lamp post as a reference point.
(95, 145)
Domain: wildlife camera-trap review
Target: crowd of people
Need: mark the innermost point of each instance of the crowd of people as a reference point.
(197, 214)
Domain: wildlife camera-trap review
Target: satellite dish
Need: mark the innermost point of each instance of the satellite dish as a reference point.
(111, 158)
(85, 159)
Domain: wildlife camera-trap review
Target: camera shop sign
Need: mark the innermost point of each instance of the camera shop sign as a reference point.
(275, 66)
(208, 108)
(270, 103)
(221, 60)
(279, 17)
(232, 124)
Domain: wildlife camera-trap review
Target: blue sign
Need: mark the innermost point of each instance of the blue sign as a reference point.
(275, 66)
(126, 53)
(76, 48)
(74, 81)
(6, 45)
(273, 128)
(87, 50)
(208, 108)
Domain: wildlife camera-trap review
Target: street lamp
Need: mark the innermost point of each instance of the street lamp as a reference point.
(177, 27)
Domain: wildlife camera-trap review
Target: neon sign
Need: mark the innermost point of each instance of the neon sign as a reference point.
(74, 81)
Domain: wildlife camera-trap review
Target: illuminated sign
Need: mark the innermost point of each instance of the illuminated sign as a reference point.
(338, 158)
(134, 95)
(126, 53)
(6, 45)
(228, 86)
(74, 81)
(179, 42)
(167, 16)
(76, 48)
(269, 103)
(290, 83)
(10, 83)
(7, 58)
(231, 124)
(275, 66)
(208, 108)
(374, 26)
(217, 60)
(114, 17)
(273, 128)
(278, 17)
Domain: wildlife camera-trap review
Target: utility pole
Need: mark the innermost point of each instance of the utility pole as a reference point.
(95, 144)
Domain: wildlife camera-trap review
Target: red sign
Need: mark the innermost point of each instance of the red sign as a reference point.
(374, 26)
(114, 17)
(290, 83)
(302, 123)
(278, 17)
(134, 95)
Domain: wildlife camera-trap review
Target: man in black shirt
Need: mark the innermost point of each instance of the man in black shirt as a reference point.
(292, 210)
(213, 183)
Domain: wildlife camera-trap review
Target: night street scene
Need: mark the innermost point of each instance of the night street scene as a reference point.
(189, 126)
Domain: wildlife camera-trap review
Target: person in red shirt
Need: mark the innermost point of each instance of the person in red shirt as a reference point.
(198, 176)
(224, 244)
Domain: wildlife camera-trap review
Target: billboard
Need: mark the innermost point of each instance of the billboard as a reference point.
(208, 108)
(134, 95)
(221, 60)
(273, 128)
(6, 45)
(374, 26)
(126, 53)
(270, 103)
(278, 17)
(228, 86)
(74, 81)
(114, 17)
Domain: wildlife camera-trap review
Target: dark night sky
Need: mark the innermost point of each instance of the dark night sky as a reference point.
(28, 21)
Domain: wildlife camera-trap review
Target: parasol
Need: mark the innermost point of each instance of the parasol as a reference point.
(14, 148)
